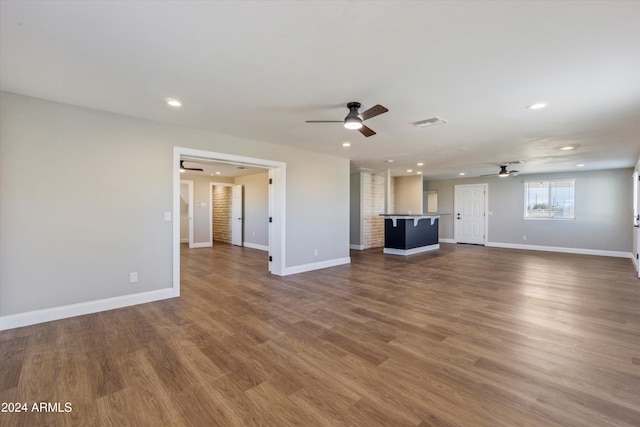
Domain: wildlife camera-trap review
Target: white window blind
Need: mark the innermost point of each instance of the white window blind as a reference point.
(549, 199)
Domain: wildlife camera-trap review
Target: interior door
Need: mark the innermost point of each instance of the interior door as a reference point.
(236, 215)
(470, 213)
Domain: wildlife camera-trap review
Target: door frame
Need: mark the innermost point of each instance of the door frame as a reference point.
(486, 209)
(217, 184)
(277, 205)
(234, 221)
(636, 219)
(190, 210)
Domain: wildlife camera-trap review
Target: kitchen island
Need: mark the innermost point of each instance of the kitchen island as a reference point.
(410, 234)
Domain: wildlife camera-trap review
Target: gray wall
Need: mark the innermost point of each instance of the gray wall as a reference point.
(603, 211)
(355, 208)
(83, 195)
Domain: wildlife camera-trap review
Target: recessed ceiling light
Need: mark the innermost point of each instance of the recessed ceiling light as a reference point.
(419, 173)
(568, 147)
(173, 102)
(536, 106)
(389, 161)
(420, 164)
(409, 170)
(580, 165)
(346, 144)
(461, 174)
(217, 173)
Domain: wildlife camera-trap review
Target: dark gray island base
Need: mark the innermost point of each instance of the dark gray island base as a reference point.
(410, 234)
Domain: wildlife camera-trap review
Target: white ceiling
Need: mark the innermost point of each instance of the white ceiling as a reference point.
(259, 69)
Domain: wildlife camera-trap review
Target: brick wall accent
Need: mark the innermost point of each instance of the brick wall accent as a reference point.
(372, 207)
(221, 208)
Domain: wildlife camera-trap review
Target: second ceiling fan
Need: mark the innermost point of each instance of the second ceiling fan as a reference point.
(504, 172)
(354, 119)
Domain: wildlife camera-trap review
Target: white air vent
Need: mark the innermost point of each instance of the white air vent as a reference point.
(430, 122)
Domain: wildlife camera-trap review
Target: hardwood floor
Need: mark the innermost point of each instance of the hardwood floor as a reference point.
(466, 336)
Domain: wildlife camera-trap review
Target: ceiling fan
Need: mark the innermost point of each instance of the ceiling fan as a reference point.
(183, 168)
(504, 172)
(354, 119)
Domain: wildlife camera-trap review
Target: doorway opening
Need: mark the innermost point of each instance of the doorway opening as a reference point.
(276, 218)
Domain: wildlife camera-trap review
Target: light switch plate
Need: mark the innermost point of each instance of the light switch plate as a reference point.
(167, 216)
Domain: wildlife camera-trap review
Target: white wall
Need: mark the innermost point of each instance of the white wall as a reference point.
(603, 209)
(83, 195)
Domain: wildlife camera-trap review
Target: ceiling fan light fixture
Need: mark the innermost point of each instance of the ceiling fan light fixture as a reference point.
(503, 172)
(352, 122)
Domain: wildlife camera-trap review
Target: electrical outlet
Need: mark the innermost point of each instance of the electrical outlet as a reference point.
(315, 252)
(133, 277)
(524, 237)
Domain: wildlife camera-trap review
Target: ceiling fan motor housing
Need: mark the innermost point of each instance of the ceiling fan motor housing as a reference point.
(353, 120)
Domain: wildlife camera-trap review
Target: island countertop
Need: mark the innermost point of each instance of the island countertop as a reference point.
(415, 217)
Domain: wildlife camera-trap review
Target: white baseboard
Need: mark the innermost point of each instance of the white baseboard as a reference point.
(392, 251)
(446, 241)
(316, 266)
(184, 240)
(79, 309)
(579, 251)
(356, 247)
(255, 246)
(202, 245)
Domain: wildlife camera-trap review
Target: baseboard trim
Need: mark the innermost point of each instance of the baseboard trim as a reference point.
(202, 245)
(421, 249)
(56, 313)
(579, 251)
(357, 247)
(446, 241)
(316, 266)
(256, 246)
(184, 240)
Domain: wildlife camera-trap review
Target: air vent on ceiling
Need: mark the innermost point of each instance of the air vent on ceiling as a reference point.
(430, 122)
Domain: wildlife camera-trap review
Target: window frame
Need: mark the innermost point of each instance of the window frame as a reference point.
(549, 200)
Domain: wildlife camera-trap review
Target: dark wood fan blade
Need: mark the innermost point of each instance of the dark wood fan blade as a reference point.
(366, 131)
(182, 166)
(376, 110)
(324, 121)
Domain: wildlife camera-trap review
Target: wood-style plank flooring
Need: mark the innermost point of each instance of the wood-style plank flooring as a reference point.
(465, 336)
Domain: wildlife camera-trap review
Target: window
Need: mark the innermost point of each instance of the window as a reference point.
(549, 199)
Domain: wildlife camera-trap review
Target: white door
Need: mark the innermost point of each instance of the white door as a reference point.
(470, 213)
(236, 215)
